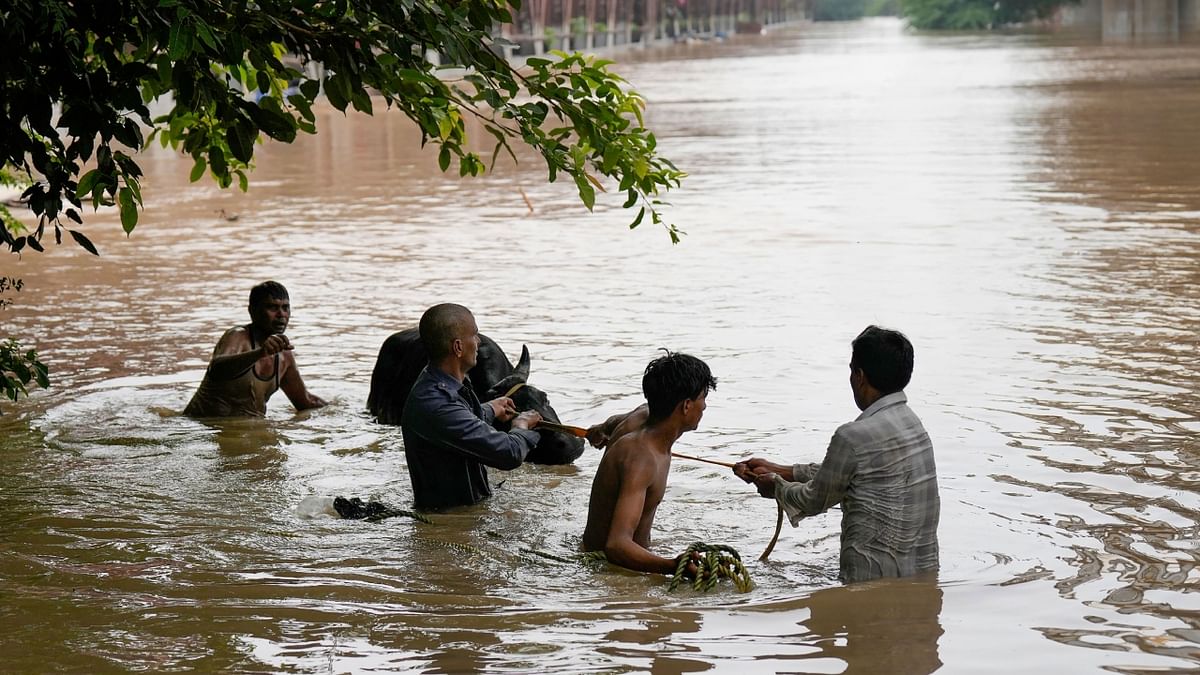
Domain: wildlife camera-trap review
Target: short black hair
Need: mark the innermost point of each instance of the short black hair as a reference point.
(267, 289)
(672, 378)
(440, 326)
(885, 357)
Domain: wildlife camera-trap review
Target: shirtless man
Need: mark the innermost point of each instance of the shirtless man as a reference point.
(632, 477)
(251, 362)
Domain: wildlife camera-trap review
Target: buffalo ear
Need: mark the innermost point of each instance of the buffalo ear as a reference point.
(522, 369)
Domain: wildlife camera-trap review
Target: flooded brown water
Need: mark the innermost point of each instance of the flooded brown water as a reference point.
(1027, 209)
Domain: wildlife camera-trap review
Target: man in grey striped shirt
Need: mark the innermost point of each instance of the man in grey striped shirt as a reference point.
(879, 467)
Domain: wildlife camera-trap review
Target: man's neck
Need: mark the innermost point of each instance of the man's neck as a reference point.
(452, 368)
(257, 335)
(665, 432)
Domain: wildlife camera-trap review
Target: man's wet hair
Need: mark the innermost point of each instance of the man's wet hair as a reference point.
(672, 378)
(267, 289)
(885, 357)
(439, 327)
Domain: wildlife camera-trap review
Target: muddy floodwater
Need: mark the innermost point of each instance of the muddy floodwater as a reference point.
(1026, 208)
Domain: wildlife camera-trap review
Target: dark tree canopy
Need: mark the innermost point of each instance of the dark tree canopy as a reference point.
(79, 75)
(976, 14)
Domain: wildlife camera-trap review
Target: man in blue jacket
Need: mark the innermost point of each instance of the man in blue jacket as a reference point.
(449, 439)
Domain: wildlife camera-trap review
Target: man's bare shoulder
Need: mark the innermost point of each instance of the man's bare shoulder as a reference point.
(632, 453)
(233, 341)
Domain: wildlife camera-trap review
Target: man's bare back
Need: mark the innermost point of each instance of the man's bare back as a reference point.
(632, 467)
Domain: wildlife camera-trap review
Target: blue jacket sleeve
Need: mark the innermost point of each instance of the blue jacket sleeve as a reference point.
(448, 422)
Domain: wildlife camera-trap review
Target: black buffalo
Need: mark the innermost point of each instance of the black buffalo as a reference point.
(402, 357)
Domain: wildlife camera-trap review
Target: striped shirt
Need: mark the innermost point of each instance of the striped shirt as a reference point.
(880, 468)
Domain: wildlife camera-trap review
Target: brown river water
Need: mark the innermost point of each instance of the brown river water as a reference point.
(1026, 208)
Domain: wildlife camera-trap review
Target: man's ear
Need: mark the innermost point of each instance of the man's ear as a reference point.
(456, 347)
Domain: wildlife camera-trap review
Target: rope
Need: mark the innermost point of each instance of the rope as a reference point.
(778, 527)
(716, 562)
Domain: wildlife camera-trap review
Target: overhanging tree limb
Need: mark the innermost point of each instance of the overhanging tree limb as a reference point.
(225, 66)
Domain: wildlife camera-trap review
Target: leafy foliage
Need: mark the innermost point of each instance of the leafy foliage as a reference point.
(18, 367)
(838, 10)
(883, 8)
(7, 221)
(975, 14)
(7, 284)
(237, 72)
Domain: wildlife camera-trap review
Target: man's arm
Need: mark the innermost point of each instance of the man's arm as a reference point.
(608, 431)
(452, 423)
(826, 488)
(755, 466)
(803, 489)
(500, 409)
(293, 385)
(620, 548)
(233, 356)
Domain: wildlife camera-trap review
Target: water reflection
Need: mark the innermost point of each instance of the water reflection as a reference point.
(898, 633)
(248, 445)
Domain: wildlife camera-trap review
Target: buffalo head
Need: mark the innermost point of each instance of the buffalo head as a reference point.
(554, 447)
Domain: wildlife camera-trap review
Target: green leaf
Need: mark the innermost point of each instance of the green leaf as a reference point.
(269, 117)
(20, 370)
(198, 169)
(310, 89)
(135, 187)
(206, 36)
(216, 159)
(129, 211)
(84, 242)
(362, 102)
(638, 221)
(241, 140)
(631, 200)
(444, 158)
(180, 45)
(586, 192)
(337, 90)
(86, 183)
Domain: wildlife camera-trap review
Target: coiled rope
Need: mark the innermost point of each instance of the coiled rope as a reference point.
(716, 562)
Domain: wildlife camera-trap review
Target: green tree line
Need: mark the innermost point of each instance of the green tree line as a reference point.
(941, 14)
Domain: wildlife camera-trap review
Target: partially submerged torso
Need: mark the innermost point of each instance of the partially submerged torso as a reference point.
(617, 464)
(881, 469)
(245, 394)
